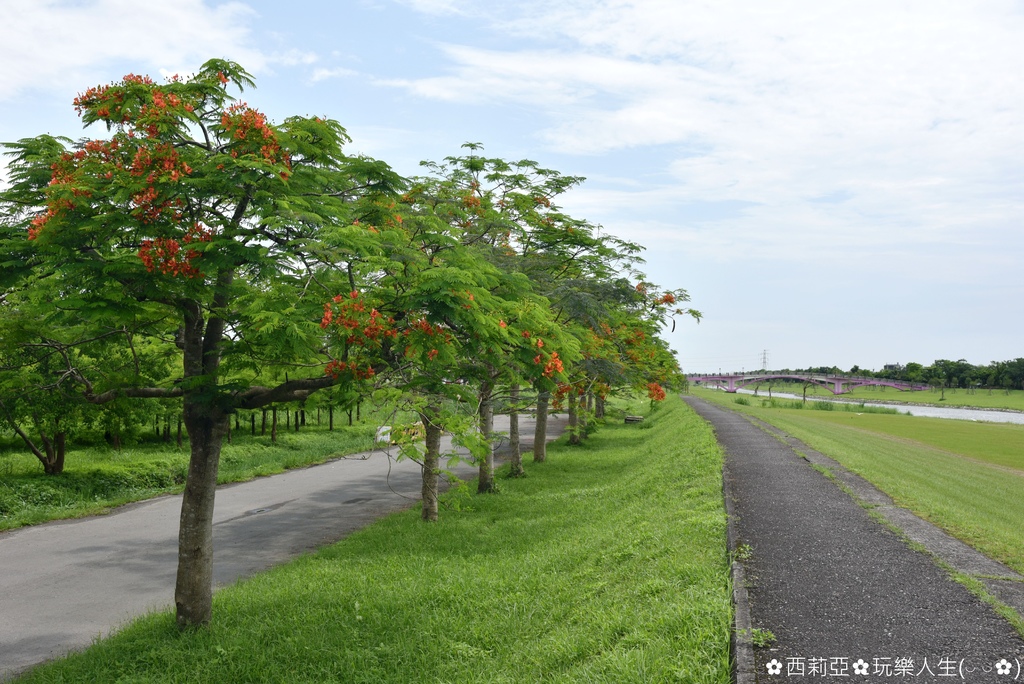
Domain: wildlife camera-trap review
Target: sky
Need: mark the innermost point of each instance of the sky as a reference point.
(835, 183)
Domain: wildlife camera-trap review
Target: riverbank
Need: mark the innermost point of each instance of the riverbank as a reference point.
(606, 563)
(969, 413)
(990, 400)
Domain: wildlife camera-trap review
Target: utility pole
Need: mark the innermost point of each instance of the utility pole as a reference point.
(764, 360)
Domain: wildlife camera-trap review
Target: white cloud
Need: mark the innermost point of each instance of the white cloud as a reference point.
(439, 7)
(54, 44)
(324, 74)
(909, 113)
(293, 57)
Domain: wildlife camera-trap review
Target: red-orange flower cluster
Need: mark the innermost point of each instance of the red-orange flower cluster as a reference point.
(39, 222)
(336, 368)
(108, 104)
(655, 391)
(361, 326)
(253, 135)
(425, 327)
(169, 257)
(552, 365)
(166, 254)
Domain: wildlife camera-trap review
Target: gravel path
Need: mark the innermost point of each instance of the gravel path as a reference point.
(842, 593)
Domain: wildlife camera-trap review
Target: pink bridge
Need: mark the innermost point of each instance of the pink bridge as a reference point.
(837, 384)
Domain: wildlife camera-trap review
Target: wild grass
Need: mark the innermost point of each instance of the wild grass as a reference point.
(816, 405)
(965, 477)
(98, 478)
(607, 563)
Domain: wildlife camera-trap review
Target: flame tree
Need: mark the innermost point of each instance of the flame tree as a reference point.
(509, 210)
(197, 223)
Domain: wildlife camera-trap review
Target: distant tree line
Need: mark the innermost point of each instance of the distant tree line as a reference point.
(943, 373)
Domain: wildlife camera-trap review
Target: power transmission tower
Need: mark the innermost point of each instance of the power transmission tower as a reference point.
(764, 360)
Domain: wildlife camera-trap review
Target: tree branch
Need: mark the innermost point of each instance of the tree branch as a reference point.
(291, 390)
(21, 433)
(135, 392)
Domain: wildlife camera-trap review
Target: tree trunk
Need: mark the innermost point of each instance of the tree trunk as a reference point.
(193, 592)
(599, 407)
(252, 423)
(586, 408)
(485, 483)
(513, 433)
(574, 418)
(179, 430)
(330, 418)
(431, 461)
(540, 432)
(273, 425)
(54, 452)
(207, 422)
(53, 463)
(263, 424)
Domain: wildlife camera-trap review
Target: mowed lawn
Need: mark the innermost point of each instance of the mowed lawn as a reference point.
(978, 398)
(99, 478)
(965, 477)
(608, 563)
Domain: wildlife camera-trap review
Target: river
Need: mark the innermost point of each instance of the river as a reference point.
(926, 411)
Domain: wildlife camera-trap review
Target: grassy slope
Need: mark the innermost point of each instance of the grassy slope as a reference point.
(606, 564)
(968, 478)
(983, 398)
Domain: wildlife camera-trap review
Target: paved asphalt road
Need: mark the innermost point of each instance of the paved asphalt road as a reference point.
(63, 584)
(836, 587)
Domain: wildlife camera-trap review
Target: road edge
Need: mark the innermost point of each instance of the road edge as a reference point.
(741, 644)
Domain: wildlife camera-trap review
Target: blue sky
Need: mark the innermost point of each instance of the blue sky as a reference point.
(838, 183)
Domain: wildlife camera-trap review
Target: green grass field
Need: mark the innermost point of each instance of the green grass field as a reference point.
(98, 478)
(608, 563)
(966, 477)
(980, 398)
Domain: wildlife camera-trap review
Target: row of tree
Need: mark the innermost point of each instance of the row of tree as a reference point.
(944, 373)
(206, 260)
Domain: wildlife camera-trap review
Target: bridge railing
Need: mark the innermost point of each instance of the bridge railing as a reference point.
(840, 382)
